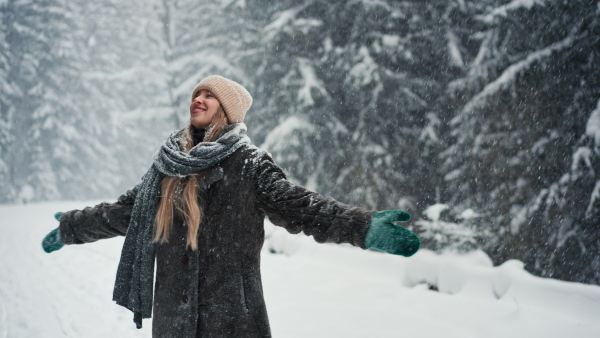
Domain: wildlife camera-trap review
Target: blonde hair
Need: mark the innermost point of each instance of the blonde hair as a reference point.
(180, 195)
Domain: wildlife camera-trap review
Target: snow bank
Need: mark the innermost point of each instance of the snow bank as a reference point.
(482, 300)
(473, 275)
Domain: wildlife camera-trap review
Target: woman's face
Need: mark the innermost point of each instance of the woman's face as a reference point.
(203, 108)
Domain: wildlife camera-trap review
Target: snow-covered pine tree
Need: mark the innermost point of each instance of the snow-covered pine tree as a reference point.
(287, 86)
(196, 41)
(34, 109)
(122, 83)
(562, 219)
(78, 85)
(5, 130)
(357, 91)
(566, 215)
(526, 99)
(445, 232)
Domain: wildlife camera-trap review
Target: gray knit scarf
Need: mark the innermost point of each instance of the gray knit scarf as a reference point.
(135, 274)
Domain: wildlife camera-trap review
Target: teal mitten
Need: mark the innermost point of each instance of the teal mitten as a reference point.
(385, 236)
(52, 240)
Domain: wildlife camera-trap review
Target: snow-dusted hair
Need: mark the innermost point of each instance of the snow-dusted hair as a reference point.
(180, 193)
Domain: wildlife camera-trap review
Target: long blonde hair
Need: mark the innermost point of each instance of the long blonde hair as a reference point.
(180, 195)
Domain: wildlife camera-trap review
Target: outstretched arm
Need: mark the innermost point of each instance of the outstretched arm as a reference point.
(104, 220)
(298, 209)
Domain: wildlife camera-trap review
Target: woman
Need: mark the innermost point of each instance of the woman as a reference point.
(199, 212)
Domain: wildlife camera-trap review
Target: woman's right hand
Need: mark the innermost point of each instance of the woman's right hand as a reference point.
(52, 240)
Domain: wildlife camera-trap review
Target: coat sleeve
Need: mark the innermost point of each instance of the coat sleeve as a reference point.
(105, 220)
(297, 209)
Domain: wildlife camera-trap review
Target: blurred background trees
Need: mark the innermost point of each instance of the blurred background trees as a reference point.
(488, 108)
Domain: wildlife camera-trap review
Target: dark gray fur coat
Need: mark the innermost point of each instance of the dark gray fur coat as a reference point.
(216, 291)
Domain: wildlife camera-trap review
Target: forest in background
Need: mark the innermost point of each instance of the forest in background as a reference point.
(480, 118)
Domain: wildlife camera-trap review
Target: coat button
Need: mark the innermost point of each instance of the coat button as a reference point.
(185, 259)
(184, 299)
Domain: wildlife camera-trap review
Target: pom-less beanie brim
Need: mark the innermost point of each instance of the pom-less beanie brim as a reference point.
(234, 98)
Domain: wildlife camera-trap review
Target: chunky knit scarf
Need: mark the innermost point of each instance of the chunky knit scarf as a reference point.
(135, 274)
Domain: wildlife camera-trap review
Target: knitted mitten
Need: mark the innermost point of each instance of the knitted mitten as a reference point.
(52, 240)
(385, 236)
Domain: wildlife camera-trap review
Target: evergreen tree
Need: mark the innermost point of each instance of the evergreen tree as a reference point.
(357, 90)
(526, 99)
(5, 89)
(195, 41)
(36, 58)
(122, 89)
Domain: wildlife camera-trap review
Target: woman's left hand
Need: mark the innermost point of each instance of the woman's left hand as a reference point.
(384, 235)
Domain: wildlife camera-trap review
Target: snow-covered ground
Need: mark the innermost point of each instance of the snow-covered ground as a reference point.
(312, 290)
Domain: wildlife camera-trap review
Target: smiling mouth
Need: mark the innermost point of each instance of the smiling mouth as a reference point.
(198, 110)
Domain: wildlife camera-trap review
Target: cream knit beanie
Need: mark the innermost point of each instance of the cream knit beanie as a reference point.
(234, 98)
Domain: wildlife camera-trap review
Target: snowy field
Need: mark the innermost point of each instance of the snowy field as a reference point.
(311, 290)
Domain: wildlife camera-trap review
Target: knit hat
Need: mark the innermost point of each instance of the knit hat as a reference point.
(234, 98)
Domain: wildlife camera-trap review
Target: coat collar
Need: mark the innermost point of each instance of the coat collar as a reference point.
(210, 175)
